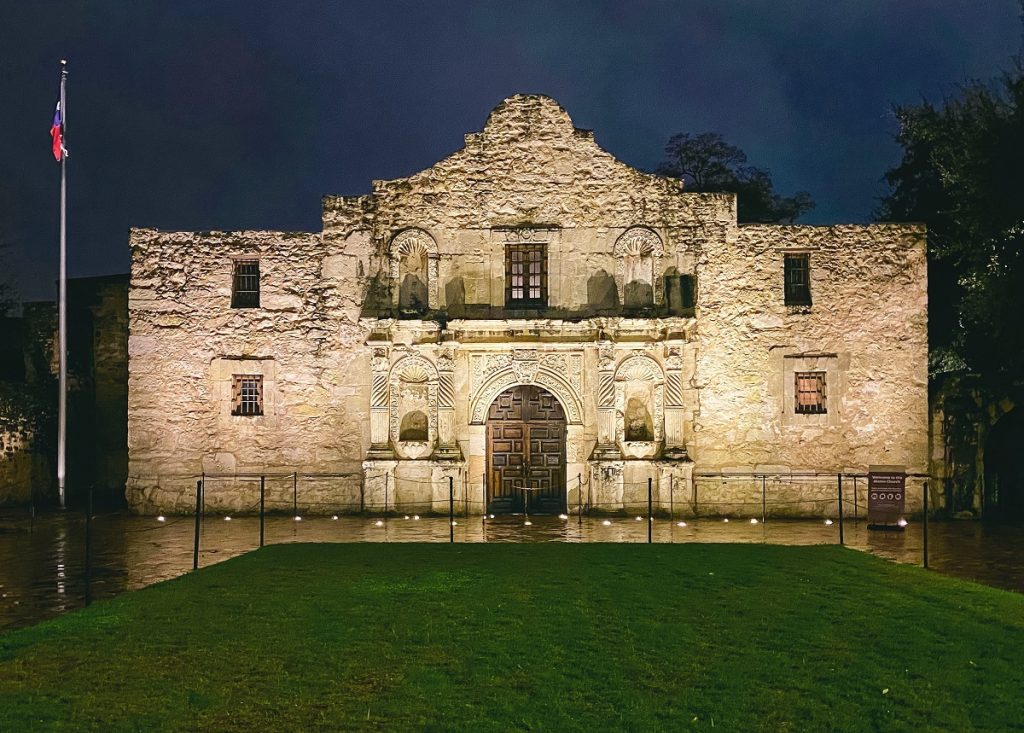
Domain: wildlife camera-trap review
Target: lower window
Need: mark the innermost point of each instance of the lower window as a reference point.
(246, 394)
(810, 393)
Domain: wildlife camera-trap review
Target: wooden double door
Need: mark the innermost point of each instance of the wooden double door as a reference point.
(526, 452)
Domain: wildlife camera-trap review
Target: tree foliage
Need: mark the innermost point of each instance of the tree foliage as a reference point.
(706, 162)
(8, 296)
(962, 174)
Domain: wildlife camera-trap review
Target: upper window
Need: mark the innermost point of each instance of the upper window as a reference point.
(526, 275)
(798, 279)
(245, 284)
(810, 393)
(246, 394)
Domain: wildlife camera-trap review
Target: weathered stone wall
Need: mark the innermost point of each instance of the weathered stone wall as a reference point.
(186, 341)
(344, 358)
(866, 327)
(529, 169)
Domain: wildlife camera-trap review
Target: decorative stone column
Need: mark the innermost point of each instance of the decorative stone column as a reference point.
(606, 449)
(447, 445)
(380, 447)
(675, 443)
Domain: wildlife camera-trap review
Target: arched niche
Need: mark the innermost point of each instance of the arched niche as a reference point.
(639, 406)
(413, 406)
(414, 268)
(638, 254)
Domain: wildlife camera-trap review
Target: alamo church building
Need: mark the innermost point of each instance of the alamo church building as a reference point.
(529, 313)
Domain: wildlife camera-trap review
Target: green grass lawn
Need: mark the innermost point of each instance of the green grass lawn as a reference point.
(532, 636)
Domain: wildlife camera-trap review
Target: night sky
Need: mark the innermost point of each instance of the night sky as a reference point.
(240, 115)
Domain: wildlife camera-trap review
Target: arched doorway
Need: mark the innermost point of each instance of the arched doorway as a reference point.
(526, 452)
(1004, 472)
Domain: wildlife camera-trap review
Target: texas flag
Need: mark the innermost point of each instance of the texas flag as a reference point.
(57, 132)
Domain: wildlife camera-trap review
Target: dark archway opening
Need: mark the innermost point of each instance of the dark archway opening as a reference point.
(526, 452)
(1004, 468)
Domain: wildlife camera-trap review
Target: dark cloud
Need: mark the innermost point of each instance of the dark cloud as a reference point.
(200, 115)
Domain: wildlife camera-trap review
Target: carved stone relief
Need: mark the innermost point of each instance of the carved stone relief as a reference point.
(413, 389)
(559, 372)
(414, 246)
(524, 234)
(638, 254)
(639, 406)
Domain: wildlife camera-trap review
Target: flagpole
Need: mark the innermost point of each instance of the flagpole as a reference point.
(62, 324)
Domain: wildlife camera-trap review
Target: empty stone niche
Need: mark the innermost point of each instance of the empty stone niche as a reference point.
(413, 407)
(639, 398)
(414, 262)
(638, 253)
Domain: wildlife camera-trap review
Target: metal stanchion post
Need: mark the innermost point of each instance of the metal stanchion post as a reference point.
(764, 498)
(263, 504)
(841, 509)
(926, 524)
(88, 550)
(856, 509)
(199, 508)
(579, 498)
(650, 507)
(295, 493)
(451, 509)
(671, 498)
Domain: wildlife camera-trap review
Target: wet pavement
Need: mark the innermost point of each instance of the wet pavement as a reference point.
(42, 562)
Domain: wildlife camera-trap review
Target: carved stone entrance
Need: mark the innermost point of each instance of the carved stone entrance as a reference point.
(526, 450)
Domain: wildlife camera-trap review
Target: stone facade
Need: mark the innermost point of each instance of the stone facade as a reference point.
(382, 343)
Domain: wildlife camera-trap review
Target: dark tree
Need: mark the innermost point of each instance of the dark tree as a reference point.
(962, 174)
(705, 162)
(8, 296)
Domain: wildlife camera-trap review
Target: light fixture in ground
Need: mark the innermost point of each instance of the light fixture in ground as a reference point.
(161, 518)
(681, 524)
(298, 519)
(902, 523)
(607, 523)
(828, 522)
(334, 517)
(379, 522)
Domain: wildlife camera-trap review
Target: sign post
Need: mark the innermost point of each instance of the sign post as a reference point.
(886, 496)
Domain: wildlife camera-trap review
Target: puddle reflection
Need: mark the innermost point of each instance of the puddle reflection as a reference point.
(42, 566)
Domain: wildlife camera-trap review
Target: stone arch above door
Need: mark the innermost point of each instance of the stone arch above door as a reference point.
(542, 377)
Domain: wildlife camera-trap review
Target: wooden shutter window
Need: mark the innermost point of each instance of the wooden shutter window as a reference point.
(526, 275)
(247, 395)
(797, 272)
(810, 393)
(245, 284)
